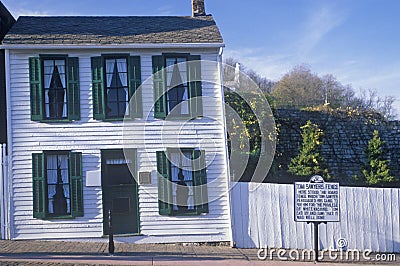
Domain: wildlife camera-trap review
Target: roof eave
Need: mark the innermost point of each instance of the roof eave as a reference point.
(111, 46)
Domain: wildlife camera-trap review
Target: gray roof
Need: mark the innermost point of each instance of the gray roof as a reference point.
(113, 30)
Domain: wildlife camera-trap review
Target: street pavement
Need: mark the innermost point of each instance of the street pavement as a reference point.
(30, 252)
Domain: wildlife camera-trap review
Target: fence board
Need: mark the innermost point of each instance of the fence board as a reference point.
(263, 215)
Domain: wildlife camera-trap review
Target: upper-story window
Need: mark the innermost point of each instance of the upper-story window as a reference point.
(177, 86)
(54, 88)
(117, 97)
(115, 83)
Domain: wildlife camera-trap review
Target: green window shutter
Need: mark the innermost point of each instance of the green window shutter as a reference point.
(164, 184)
(135, 80)
(36, 89)
(200, 181)
(160, 105)
(76, 184)
(98, 88)
(74, 112)
(39, 185)
(195, 86)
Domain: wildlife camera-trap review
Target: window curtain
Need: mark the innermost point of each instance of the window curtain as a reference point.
(118, 161)
(182, 160)
(109, 70)
(49, 68)
(123, 76)
(117, 96)
(177, 95)
(53, 162)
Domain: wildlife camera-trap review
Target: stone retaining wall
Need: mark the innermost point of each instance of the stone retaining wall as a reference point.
(345, 139)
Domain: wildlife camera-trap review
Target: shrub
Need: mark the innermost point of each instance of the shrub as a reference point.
(376, 172)
(309, 161)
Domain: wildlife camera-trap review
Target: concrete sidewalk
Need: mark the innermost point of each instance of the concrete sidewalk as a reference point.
(96, 253)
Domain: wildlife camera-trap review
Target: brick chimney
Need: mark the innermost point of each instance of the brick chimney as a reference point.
(198, 8)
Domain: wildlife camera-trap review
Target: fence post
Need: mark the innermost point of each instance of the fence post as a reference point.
(2, 220)
(6, 194)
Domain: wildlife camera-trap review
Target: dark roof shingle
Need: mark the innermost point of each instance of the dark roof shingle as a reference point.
(113, 30)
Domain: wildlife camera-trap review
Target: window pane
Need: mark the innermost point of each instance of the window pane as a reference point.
(178, 91)
(55, 89)
(118, 172)
(182, 181)
(58, 190)
(117, 87)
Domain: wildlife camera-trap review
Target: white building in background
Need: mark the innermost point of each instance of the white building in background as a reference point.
(68, 88)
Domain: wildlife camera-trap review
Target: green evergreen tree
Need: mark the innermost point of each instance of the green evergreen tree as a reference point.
(309, 161)
(376, 172)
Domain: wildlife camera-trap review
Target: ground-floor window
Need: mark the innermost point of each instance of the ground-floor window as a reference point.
(182, 182)
(57, 184)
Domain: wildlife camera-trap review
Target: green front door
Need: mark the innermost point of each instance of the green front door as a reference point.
(120, 192)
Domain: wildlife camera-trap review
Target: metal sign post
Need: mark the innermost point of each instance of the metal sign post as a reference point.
(111, 246)
(316, 202)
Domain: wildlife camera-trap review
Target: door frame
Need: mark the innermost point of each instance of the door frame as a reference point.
(136, 190)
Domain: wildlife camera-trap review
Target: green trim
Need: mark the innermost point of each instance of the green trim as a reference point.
(160, 99)
(50, 121)
(40, 196)
(194, 87)
(164, 188)
(39, 185)
(36, 88)
(76, 184)
(52, 56)
(135, 81)
(98, 88)
(189, 213)
(114, 119)
(186, 55)
(60, 217)
(110, 153)
(115, 55)
(199, 179)
(73, 90)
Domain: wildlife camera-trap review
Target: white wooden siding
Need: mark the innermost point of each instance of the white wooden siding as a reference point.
(263, 216)
(89, 136)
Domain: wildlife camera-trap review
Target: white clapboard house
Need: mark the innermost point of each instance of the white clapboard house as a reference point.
(70, 83)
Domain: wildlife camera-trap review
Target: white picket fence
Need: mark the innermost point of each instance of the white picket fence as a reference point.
(263, 216)
(4, 205)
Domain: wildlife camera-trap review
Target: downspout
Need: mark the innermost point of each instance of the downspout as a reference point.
(8, 178)
(228, 182)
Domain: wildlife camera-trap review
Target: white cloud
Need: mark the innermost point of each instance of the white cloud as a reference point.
(317, 25)
(24, 12)
(270, 66)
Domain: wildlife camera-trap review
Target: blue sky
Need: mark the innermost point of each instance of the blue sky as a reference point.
(357, 41)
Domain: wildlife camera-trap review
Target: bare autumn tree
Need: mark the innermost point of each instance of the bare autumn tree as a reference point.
(299, 88)
(370, 100)
(302, 88)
